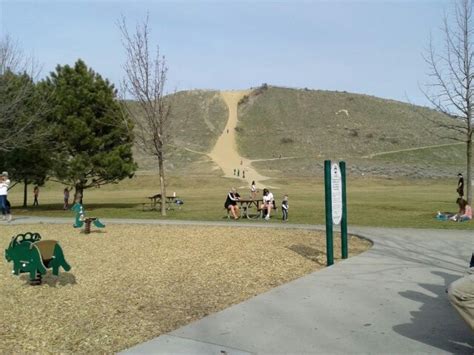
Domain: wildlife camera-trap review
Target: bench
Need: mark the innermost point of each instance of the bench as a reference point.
(244, 209)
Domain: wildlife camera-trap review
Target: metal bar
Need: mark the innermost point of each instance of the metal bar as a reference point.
(344, 245)
(328, 201)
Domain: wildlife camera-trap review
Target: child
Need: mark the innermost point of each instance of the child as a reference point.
(284, 208)
(253, 191)
(66, 198)
(35, 195)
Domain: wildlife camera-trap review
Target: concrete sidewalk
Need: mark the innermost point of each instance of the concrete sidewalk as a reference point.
(390, 299)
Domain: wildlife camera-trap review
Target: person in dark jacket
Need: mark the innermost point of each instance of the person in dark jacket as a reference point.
(231, 203)
(460, 188)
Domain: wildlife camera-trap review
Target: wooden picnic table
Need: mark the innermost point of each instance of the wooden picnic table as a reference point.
(156, 200)
(247, 203)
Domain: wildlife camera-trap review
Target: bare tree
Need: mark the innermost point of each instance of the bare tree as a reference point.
(20, 104)
(145, 79)
(451, 73)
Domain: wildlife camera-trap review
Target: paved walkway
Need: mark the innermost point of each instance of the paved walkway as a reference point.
(390, 299)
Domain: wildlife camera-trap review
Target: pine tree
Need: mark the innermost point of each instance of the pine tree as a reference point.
(93, 136)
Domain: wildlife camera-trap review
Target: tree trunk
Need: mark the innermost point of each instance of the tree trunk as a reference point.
(78, 194)
(25, 193)
(162, 184)
(468, 168)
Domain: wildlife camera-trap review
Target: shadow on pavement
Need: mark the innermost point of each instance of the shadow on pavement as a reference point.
(437, 323)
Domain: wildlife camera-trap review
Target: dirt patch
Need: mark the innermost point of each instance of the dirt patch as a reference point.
(129, 284)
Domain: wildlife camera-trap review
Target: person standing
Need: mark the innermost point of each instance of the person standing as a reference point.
(66, 198)
(36, 191)
(253, 190)
(460, 188)
(284, 208)
(4, 205)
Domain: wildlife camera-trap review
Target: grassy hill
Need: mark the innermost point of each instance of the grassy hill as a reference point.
(313, 125)
(197, 119)
(375, 136)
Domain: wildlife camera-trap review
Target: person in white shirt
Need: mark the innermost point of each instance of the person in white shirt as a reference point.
(284, 208)
(267, 203)
(253, 190)
(4, 184)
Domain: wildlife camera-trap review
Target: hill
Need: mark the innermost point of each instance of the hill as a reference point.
(290, 132)
(197, 119)
(373, 135)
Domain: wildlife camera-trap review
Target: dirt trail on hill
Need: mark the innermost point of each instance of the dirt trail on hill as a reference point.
(225, 153)
(411, 149)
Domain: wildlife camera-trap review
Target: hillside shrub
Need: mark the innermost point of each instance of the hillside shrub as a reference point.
(243, 100)
(354, 132)
(286, 140)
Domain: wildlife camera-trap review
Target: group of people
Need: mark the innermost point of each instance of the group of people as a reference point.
(4, 203)
(465, 210)
(267, 205)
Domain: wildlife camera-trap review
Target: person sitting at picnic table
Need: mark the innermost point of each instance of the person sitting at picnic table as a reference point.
(231, 203)
(465, 211)
(267, 203)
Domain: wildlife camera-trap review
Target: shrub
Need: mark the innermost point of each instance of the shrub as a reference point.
(354, 132)
(286, 140)
(243, 100)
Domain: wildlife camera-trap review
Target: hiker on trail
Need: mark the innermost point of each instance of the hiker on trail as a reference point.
(231, 203)
(460, 188)
(461, 295)
(35, 195)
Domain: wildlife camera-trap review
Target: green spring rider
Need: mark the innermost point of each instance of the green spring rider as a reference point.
(81, 219)
(32, 255)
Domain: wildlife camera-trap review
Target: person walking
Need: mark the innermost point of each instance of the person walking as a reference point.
(35, 195)
(4, 205)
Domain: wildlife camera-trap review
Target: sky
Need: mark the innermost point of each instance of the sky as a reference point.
(368, 47)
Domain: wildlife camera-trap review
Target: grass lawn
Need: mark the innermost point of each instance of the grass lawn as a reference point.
(129, 284)
(371, 202)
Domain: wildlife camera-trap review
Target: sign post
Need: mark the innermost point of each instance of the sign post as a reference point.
(336, 209)
(328, 202)
(344, 247)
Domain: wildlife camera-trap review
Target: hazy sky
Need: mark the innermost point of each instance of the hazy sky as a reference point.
(370, 47)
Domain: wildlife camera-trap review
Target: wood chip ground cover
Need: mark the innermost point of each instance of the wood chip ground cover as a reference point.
(131, 283)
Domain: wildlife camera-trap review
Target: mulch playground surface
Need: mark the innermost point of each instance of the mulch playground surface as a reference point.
(131, 283)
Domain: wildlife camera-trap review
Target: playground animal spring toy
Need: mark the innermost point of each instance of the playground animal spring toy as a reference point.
(31, 254)
(81, 219)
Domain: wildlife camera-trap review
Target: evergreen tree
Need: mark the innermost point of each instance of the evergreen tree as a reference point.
(93, 136)
(24, 152)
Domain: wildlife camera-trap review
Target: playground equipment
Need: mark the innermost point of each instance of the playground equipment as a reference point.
(81, 219)
(31, 254)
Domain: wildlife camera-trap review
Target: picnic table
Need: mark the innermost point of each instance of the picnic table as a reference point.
(156, 200)
(246, 204)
